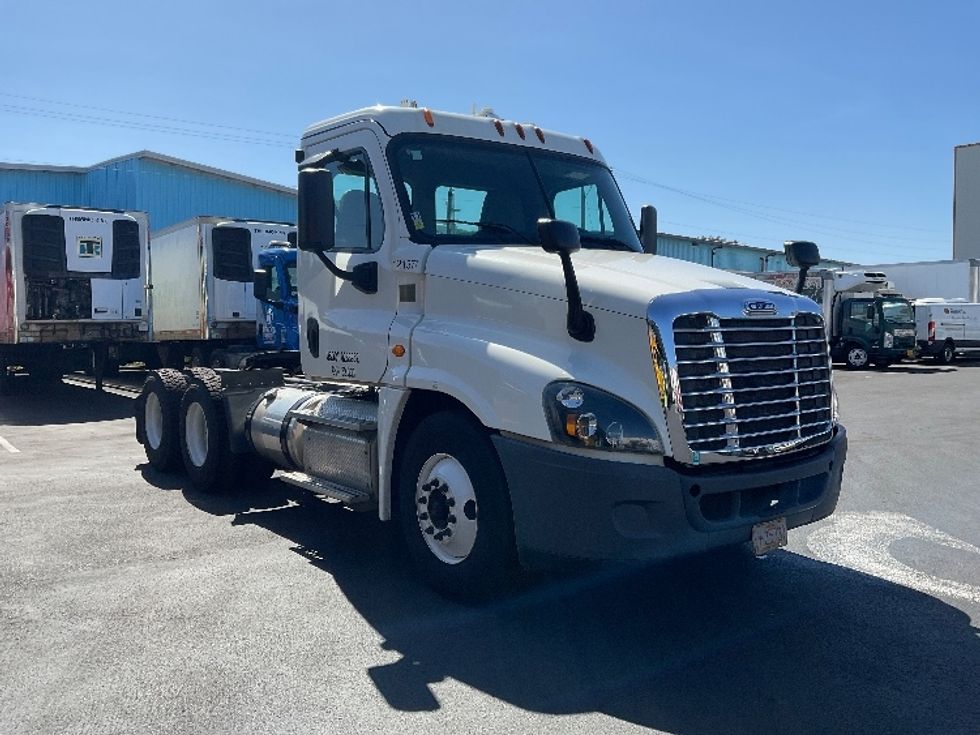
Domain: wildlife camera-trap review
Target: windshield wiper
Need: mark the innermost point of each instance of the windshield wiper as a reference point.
(611, 242)
(498, 226)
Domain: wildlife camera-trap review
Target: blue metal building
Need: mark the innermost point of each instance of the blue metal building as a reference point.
(729, 254)
(168, 189)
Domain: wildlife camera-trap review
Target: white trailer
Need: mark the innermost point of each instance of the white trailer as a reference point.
(942, 279)
(201, 275)
(946, 328)
(497, 364)
(73, 287)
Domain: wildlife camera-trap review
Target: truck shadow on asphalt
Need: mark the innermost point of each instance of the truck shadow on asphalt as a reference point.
(31, 403)
(724, 643)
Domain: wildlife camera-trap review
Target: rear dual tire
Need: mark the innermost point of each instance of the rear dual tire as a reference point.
(158, 416)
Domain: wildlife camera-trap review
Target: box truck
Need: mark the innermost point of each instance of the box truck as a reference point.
(72, 291)
(497, 365)
(868, 321)
(938, 279)
(946, 328)
(202, 273)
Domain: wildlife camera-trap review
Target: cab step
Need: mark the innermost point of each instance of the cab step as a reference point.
(332, 490)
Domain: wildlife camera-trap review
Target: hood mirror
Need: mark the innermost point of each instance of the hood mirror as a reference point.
(801, 254)
(558, 236)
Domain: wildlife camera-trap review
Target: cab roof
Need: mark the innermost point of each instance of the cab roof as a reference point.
(396, 120)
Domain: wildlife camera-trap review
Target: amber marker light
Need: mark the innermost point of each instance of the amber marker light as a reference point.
(427, 115)
(540, 133)
(520, 130)
(500, 127)
(398, 350)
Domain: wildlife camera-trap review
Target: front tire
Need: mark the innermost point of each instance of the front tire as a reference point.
(856, 357)
(454, 509)
(948, 354)
(157, 417)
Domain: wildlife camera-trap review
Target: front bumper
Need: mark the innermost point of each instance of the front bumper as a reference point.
(569, 506)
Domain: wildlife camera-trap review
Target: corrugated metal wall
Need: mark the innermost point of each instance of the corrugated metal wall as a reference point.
(169, 193)
(730, 256)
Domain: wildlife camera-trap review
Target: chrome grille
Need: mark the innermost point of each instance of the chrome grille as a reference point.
(752, 386)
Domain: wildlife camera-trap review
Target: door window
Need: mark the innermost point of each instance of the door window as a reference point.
(358, 220)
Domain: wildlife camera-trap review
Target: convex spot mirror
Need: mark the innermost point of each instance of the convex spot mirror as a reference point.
(802, 253)
(558, 236)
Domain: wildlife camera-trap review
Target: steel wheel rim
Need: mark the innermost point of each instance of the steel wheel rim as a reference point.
(446, 508)
(857, 356)
(196, 434)
(153, 420)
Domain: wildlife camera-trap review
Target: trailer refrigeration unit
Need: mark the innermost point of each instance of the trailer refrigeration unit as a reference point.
(936, 279)
(73, 288)
(202, 271)
(495, 363)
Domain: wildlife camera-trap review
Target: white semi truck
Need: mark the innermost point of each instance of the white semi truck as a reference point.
(201, 286)
(495, 364)
(72, 291)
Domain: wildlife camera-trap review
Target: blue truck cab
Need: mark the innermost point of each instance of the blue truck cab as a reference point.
(277, 324)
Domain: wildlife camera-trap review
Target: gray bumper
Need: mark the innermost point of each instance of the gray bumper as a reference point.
(571, 506)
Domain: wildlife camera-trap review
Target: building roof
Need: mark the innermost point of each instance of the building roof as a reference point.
(159, 157)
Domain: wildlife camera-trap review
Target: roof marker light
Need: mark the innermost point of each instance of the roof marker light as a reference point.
(540, 133)
(500, 127)
(427, 114)
(520, 130)
(588, 144)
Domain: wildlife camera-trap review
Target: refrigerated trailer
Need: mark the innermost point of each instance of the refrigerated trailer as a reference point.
(202, 272)
(73, 287)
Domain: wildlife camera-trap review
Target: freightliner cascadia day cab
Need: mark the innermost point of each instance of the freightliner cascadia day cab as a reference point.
(73, 288)
(202, 271)
(497, 365)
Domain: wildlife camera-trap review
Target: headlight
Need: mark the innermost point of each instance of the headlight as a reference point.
(889, 339)
(583, 416)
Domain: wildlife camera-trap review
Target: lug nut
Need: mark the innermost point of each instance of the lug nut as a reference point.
(450, 502)
(423, 516)
(430, 530)
(423, 500)
(451, 519)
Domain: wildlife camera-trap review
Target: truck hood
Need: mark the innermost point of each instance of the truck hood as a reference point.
(613, 280)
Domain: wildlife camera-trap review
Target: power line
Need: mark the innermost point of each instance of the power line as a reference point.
(148, 115)
(822, 228)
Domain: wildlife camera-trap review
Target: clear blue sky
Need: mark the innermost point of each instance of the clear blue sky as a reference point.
(831, 121)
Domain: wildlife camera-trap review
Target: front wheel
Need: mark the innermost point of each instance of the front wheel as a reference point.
(454, 509)
(948, 354)
(856, 357)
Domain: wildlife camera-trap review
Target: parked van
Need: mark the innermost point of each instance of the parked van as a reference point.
(944, 328)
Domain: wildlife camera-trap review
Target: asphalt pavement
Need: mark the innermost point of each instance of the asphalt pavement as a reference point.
(131, 604)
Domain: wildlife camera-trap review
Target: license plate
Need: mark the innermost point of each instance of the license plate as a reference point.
(768, 536)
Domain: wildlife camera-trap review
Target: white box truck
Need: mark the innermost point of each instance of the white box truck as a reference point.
(72, 289)
(201, 284)
(496, 364)
(946, 328)
(937, 279)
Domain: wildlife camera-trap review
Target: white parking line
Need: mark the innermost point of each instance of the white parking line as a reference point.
(8, 446)
(862, 541)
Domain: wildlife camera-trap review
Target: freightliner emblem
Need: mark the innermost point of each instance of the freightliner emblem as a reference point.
(759, 307)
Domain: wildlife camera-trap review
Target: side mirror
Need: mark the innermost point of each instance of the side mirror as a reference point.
(648, 228)
(316, 210)
(558, 236)
(801, 253)
(260, 284)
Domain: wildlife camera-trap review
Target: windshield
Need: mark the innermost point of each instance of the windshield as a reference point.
(896, 311)
(465, 191)
(291, 275)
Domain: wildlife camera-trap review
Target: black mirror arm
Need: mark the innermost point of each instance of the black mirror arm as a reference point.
(799, 284)
(580, 323)
(363, 276)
